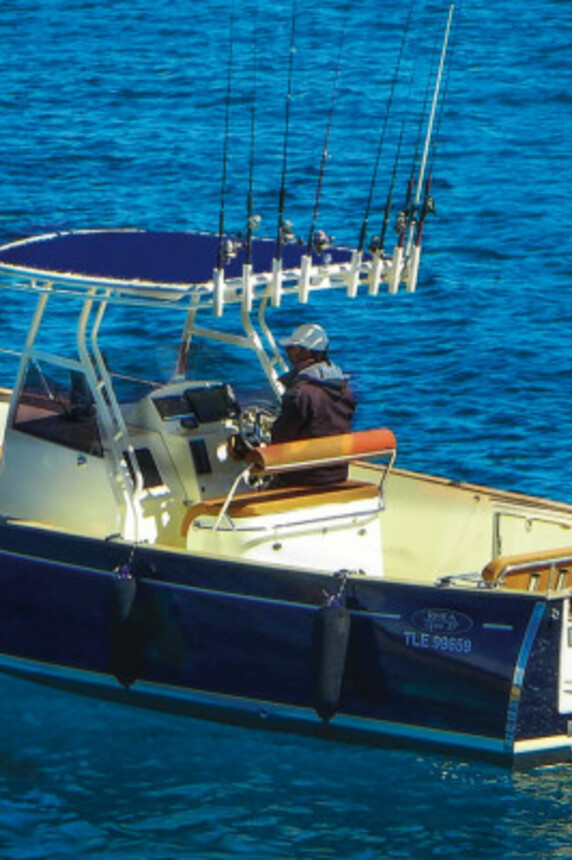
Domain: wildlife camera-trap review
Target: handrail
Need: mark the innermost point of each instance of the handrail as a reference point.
(498, 569)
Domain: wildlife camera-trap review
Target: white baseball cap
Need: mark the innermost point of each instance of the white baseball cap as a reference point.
(309, 335)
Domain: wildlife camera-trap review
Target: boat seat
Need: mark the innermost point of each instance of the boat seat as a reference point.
(301, 454)
(281, 499)
(298, 455)
(548, 570)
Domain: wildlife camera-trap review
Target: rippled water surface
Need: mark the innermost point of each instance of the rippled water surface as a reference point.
(113, 114)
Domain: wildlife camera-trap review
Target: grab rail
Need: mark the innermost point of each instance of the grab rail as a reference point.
(546, 570)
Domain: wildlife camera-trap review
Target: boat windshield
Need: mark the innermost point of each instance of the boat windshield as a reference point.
(56, 404)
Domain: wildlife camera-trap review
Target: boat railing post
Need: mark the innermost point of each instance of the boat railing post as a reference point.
(255, 343)
(375, 274)
(276, 359)
(411, 282)
(223, 511)
(218, 296)
(304, 282)
(355, 269)
(186, 335)
(247, 287)
(27, 351)
(276, 283)
(129, 479)
(395, 270)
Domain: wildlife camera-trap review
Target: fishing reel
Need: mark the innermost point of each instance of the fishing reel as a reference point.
(254, 223)
(229, 249)
(376, 246)
(321, 241)
(429, 207)
(405, 218)
(287, 232)
(243, 239)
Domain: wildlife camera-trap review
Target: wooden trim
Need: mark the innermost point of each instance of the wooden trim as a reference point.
(281, 500)
(547, 570)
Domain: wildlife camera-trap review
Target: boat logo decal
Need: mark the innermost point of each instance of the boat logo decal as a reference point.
(440, 630)
(447, 621)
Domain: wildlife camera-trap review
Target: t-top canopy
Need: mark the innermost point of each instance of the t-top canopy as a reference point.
(147, 257)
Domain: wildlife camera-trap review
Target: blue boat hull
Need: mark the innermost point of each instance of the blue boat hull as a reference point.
(470, 669)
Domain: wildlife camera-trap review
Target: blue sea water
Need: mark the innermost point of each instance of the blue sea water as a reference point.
(112, 113)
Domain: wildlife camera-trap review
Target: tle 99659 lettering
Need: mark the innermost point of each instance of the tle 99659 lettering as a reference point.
(438, 642)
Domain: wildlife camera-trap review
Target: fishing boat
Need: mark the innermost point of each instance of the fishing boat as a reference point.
(139, 562)
(149, 556)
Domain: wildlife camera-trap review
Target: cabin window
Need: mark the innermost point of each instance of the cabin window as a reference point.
(56, 404)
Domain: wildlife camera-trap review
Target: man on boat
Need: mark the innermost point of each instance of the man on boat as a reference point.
(317, 401)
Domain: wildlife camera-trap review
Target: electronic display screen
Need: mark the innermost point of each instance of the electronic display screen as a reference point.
(201, 405)
(212, 403)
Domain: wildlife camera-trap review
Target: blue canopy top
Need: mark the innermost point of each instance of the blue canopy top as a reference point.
(159, 258)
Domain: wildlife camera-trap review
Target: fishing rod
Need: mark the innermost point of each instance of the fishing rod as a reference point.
(221, 251)
(406, 218)
(326, 144)
(282, 226)
(251, 220)
(381, 139)
(428, 205)
(414, 248)
(378, 243)
(434, 103)
(407, 213)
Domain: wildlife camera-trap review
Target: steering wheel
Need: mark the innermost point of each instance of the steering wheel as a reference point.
(255, 424)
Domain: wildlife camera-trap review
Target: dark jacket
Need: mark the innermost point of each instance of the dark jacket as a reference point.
(317, 402)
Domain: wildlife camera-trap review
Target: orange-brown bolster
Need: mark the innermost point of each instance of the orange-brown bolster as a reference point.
(283, 456)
